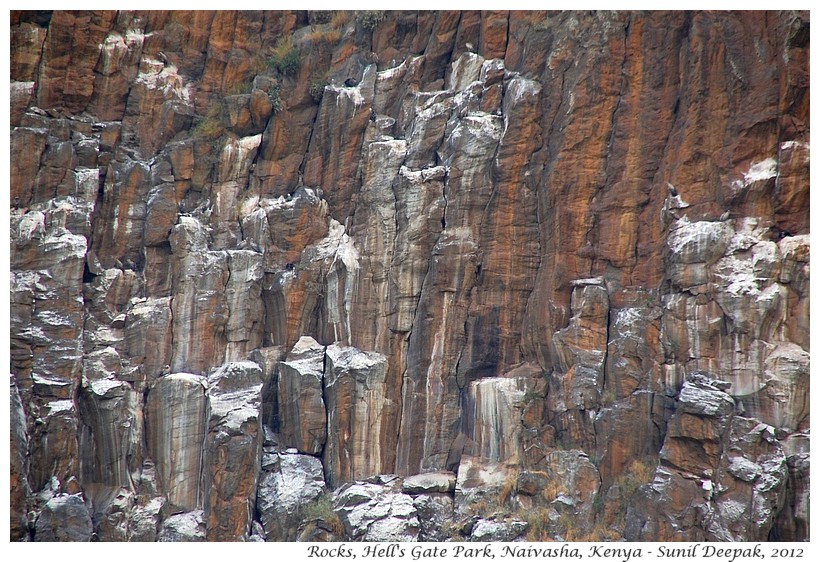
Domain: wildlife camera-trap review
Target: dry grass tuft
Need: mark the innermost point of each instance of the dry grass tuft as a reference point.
(321, 510)
(211, 125)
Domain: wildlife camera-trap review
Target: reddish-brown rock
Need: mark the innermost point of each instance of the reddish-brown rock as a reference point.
(551, 226)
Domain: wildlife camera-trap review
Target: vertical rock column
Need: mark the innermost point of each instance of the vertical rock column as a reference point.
(199, 310)
(111, 434)
(493, 417)
(233, 450)
(177, 422)
(580, 356)
(19, 465)
(49, 243)
(355, 394)
(302, 420)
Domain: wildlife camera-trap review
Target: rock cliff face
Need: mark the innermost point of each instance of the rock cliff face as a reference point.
(409, 276)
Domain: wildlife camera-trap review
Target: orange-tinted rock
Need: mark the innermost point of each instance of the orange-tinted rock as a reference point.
(354, 389)
(70, 53)
(177, 425)
(233, 448)
(302, 415)
(605, 206)
(332, 160)
(722, 462)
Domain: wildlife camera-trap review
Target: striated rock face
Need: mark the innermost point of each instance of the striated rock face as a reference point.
(20, 489)
(354, 387)
(177, 424)
(302, 413)
(409, 275)
(233, 448)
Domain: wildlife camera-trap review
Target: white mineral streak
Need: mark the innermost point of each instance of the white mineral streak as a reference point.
(177, 426)
(701, 241)
(353, 95)
(354, 383)
(303, 415)
(433, 381)
(759, 171)
(465, 70)
(237, 156)
(235, 395)
(104, 386)
(112, 50)
(60, 407)
(738, 276)
(342, 280)
(496, 404)
(628, 321)
(520, 88)
(373, 513)
(157, 75)
(21, 88)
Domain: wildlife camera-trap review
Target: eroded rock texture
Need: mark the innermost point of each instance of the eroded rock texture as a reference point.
(409, 276)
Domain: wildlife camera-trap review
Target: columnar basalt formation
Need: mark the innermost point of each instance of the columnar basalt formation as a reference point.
(409, 275)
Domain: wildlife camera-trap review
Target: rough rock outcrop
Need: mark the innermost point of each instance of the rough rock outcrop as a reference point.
(64, 517)
(233, 448)
(427, 275)
(354, 388)
(302, 414)
(373, 512)
(289, 483)
(722, 476)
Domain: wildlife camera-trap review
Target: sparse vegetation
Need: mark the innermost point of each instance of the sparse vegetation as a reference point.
(553, 489)
(508, 488)
(538, 524)
(574, 533)
(274, 93)
(639, 472)
(611, 505)
(240, 88)
(340, 19)
(370, 19)
(284, 57)
(320, 16)
(317, 87)
(210, 125)
(322, 510)
(531, 396)
(324, 34)
(608, 397)
(485, 508)
(539, 19)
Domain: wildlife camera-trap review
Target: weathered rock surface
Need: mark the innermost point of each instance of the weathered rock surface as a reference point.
(177, 425)
(372, 512)
(18, 476)
(442, 482)
(288, 485)
(354, 388)
(302, 413)
(183, 527)
(722, 476)
(233, 449)
(260, 260)
(64, 518)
